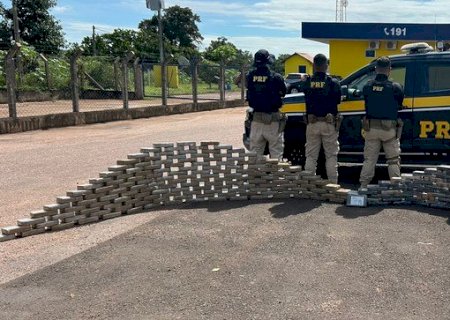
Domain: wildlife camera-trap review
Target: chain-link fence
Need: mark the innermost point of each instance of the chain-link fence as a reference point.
(4, 113)
(39, 85)
(43, 85)
(101, 83)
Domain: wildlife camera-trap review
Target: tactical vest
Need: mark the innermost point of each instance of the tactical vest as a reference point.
(262, 92)
(318, 101)
(381, 103)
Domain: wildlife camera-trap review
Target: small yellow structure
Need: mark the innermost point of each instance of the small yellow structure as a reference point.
(173, 80)
(298, 63)
(354, 45)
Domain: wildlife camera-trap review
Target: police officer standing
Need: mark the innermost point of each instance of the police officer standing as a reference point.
(265, 90)
(383, 98)
(322, 96)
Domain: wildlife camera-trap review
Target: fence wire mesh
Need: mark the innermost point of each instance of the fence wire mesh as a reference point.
(44, 84)
(4, 113)
(101, 82)
(232, 86)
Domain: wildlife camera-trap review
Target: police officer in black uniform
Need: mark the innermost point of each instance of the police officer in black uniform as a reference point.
(322, 96)
(265, 90)
(383, 98)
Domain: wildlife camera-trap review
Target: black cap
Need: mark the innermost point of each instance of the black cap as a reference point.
(262, 57)
(383, 62)
(320, 60)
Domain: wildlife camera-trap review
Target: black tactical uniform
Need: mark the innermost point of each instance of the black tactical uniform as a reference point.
(322, 96)
(265, 90)
(383, 98)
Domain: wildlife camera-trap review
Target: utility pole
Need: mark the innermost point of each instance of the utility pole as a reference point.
(19, 63)
(158, 5)
(163, 61)
(94, 47)
(15, 22)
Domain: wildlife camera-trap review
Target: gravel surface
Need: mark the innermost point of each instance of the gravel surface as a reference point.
(233, 260)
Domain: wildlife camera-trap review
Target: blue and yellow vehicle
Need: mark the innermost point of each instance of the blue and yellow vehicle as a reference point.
(425, 77)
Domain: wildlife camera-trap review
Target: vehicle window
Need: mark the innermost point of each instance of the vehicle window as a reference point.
(294, 76)
(398, 74)
(438, 78)
(360, 82)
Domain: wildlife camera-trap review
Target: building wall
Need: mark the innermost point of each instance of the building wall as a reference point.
(291, 64)
(346, 56)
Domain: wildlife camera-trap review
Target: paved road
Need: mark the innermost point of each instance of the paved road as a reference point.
(291, 259)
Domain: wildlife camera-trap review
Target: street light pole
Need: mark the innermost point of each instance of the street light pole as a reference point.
(162, 60)
(158, 5)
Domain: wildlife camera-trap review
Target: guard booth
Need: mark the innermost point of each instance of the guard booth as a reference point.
(354, 45)
(298, 62)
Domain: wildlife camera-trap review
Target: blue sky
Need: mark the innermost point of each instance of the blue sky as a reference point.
(250, 25)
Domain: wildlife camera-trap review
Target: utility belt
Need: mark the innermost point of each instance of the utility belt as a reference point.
(329, 118)
(335, 120)
(268, 118)
(379, 124)
(384, 125)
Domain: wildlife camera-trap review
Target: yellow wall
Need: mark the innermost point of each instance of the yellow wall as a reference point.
(172, 76)
(347, 56)
(291, 64)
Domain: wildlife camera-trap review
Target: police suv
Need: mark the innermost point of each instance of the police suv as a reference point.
(425, 77)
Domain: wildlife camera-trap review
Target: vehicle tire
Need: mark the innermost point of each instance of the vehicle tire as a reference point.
(294, 152)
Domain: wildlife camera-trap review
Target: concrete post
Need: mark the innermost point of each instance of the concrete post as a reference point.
(222, 83)
(138, 80)
(75, 88)
(11, 86)
(47, 71)
(243, 81)
(116, 74)
(125, 62)
(194, 67)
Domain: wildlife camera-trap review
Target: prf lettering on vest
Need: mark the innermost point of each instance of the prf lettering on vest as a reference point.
(260, 78)
(377, 88)
(440, 129)
(317, 84)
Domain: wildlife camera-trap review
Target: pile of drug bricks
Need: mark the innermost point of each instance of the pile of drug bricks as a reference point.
(430, 187)
(167, 174)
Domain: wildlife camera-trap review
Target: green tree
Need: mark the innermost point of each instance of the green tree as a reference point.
(209, 72)
(180, 33)
(222, 50)
(116, 43)
(179, 27)
(278, 65)
(37, 26)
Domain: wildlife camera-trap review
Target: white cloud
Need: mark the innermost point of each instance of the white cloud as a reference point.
(275, 45)
(288, 14)
(238, 20)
